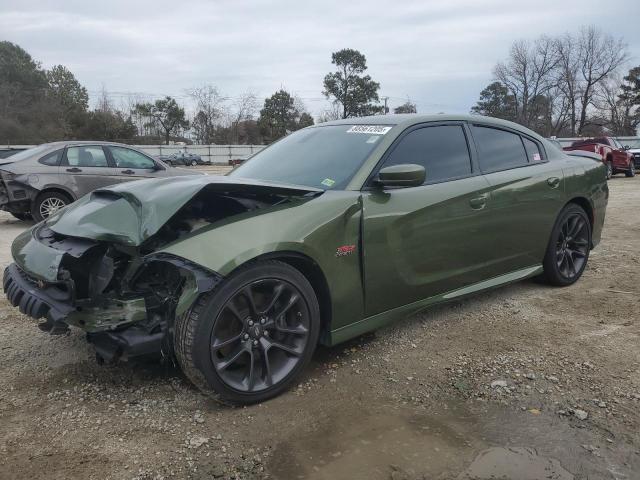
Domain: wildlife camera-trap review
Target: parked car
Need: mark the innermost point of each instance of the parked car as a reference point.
(8, 151)
(633, 147)
(333, 231)
(184, 158)
(613, 155)
(36, 182)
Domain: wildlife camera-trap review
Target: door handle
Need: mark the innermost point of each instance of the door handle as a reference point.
(74, 170)
(478, 203)
(553, 182)
(128, 172)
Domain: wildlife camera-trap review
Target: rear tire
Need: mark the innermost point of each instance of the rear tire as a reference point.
(194, 163)
(568, 249)
(47, 203)
(248, 340)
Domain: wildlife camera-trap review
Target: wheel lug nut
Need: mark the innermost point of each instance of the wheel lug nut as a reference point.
(255, 342)
(246, 336)
(266, 333)
(263, 321)
(251, 323)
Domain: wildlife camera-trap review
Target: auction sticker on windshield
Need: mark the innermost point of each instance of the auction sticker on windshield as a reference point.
(369, 129)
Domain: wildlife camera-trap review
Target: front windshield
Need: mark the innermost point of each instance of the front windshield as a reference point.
(324, 157)
(632, 143)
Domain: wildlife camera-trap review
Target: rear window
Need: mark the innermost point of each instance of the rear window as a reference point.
(30, 152)
(52, 159)
(533, 150)
(589, 141)
(498, 149)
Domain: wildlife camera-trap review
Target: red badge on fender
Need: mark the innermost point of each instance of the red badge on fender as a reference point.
(345, 250)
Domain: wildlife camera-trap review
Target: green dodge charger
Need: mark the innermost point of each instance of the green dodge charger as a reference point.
(333, 231)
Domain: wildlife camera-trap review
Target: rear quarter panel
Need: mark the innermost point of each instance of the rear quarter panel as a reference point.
(585, 178)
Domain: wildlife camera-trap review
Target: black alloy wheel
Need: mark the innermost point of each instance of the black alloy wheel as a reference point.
(569, 246)
(249, 338)
(260, 335)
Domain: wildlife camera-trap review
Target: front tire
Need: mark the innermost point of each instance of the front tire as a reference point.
(251, 337)
(631, 171)
(568, 249)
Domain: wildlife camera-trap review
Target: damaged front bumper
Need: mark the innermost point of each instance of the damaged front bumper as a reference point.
(126, 303)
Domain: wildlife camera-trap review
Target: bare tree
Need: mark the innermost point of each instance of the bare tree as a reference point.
(210, 108)
(528, 74)
(331, 113)
(567, 76)
(244, 109)
(619, 110)
(600, 55)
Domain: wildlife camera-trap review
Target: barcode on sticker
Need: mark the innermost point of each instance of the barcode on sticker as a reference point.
(369, 129)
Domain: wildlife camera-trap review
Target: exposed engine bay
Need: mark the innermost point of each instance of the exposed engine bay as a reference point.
(127, 297)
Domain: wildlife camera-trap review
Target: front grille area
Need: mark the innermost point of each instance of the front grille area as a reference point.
(33, 299)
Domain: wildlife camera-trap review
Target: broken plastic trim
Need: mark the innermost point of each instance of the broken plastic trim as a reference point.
(154, 334)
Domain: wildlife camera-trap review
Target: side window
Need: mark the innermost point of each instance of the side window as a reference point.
(441, 150)
(533, 150)
(127, 158)
(89, 156)
(52, 159)
(498, 149)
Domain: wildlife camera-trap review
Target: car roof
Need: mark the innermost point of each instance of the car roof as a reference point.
(408, 119)
(66, 143)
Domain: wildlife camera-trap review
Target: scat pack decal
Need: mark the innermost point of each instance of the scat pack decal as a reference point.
(345, 250)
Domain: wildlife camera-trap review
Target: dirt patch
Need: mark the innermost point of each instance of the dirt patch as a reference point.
(541, 378)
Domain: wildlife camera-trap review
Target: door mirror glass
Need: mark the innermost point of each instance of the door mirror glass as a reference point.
(626, 147)
(403, 175)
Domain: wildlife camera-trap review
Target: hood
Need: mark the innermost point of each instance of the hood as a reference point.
(132, 212)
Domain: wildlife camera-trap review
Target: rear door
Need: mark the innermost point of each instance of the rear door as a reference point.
(85, 168)
(132, 165)
(527, 191)
(422, 241)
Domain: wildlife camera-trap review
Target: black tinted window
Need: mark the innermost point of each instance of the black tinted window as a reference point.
(498, 149)
(442, 151)
(52, 159)
(533, 150)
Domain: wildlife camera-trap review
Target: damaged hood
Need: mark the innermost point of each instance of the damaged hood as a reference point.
(131, 212)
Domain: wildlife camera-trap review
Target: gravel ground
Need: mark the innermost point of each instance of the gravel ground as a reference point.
(526, 382)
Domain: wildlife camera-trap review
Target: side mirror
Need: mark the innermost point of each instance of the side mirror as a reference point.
(404, 175)
(626, 147)
(158, 166)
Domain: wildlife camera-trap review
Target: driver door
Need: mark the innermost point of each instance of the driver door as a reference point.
(132, 165)
(426, 240)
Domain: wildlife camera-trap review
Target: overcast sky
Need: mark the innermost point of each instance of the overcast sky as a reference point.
(438, 53)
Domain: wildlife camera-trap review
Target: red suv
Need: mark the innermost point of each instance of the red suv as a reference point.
(614, 155)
